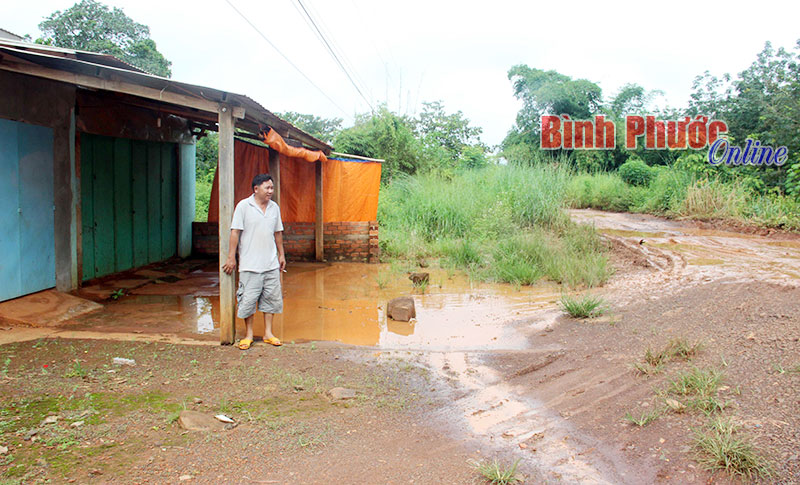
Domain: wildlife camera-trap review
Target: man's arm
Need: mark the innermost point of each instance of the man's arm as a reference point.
(230, 264)
(279, 245)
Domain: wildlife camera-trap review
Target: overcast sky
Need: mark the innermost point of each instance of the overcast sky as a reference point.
(407, 52)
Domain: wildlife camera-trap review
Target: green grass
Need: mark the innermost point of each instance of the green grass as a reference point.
(496, 473)
(696, 382)
(585, 306)
(720, 448)
(76, 370)
(677, 348)
(645, 418)
(677, 193)
(501, 223)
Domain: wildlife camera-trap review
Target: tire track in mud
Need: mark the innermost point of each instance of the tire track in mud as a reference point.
(528, 402)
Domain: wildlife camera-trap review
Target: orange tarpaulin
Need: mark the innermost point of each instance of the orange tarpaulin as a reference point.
(248, 161)
(276, 142)
(350, 190)
(349, 187)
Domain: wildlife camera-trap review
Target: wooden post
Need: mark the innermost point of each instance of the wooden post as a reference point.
(275, 171)
(227, 321)
(318, 234)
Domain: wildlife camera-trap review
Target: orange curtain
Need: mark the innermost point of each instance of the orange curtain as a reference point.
(248, 161)
(350, 188)
(298, 190)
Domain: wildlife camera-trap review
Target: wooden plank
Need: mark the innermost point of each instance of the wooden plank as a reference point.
(87, 206)
(318, 233)
(123, 210)
(139, 202)
(169, 201)
(37, 253)
(153, 202)
(113, 85)
(275, 171)
(9, 217)
(103, 205)
(227, 328)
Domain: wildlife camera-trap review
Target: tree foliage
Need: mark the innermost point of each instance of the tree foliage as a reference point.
(92, 26)
(548, 92)
(323, 128)
(384, 135)
(763, 103)
(434, 142)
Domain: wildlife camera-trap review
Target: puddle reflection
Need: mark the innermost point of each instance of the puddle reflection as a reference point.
(344, 302)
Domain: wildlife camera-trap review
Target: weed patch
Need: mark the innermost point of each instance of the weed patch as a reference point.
(586, 306)
(497, 473)
(645, 418)
(720, 448)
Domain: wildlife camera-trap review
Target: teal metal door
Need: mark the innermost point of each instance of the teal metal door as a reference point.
(129, 203)
(27, 238)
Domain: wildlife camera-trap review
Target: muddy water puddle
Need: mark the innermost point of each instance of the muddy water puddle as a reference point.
(705, 253)
(343, 302)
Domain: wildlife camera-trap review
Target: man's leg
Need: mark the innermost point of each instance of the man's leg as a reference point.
(247, 297)
(248, 324)
(271, 302)
(268, 326)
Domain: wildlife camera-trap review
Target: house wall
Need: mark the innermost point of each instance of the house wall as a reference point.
(70, 111)
(47, 103)
(343, 241)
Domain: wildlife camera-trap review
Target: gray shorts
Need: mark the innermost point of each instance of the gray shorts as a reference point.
(262, 290)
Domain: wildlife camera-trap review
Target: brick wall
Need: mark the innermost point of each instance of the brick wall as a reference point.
(343, 241)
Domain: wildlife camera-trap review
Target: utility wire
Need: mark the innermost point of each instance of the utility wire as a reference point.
(333, 54)
(342, 54)
(284, 57)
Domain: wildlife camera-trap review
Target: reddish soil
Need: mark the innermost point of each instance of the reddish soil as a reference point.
(556, 400)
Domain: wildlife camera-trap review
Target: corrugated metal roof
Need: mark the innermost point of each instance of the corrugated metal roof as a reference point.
(111, 70)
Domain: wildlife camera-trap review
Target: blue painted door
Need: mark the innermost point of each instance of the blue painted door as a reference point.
(27, 239)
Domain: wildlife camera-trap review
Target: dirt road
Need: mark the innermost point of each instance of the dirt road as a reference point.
(543, 389)
(560, 403)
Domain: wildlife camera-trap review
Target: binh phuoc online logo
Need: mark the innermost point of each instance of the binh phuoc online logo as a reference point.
(561, 132)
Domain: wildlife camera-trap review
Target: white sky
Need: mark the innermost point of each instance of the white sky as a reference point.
(411, 51)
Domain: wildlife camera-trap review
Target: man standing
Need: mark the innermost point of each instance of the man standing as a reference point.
(257, 231)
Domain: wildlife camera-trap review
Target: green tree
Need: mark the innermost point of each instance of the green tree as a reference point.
(763, 103)
(448, 140)
(325, 129)
(545, 92)
(91, 26)
(449, 131)
(383, 135)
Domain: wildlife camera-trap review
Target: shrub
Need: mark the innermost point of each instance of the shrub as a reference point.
(635, 172)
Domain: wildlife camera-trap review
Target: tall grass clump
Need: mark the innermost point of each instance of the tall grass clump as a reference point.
(678, 192)
(721, 448)
(502, 223)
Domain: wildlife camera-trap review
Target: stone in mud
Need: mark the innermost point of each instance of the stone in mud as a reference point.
(419, 278)
(401, 309)
(196, 421)
(341, 393)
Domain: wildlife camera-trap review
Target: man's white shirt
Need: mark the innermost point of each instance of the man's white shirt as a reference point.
(257, 250)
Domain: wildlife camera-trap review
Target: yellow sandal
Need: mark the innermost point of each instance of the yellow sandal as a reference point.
(245, 343)
(273, 341)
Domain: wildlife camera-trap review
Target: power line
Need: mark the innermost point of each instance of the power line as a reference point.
(333, 54)
(284, 57)
(337, 48)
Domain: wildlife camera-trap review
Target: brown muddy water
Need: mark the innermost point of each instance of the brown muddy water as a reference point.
(341, 302)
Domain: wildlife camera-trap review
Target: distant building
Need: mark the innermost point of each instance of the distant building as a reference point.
(6, 35)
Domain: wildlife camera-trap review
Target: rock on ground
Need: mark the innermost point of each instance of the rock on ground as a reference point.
(197, 421)
(401, 309)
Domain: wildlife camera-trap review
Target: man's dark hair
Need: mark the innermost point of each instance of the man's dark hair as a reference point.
(260, 179)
